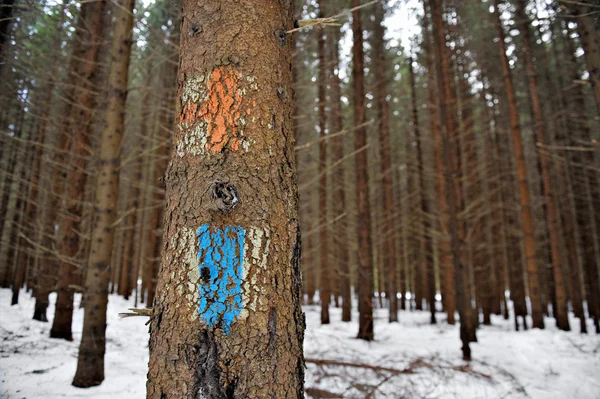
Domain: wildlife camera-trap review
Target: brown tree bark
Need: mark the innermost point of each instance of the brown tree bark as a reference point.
(445, 254)
(451, 158)
(563, 124)
(561, 314)
(586, 189)
(90, 363)
(227, 321)
(340, 240)
(364, 255)
(324, 267)
(383, 118)
(526, 217)
(81, 129)
(426, 280)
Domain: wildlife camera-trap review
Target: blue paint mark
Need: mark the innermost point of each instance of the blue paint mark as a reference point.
(221, 256)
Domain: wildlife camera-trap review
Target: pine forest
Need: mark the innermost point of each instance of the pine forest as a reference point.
(299, 199)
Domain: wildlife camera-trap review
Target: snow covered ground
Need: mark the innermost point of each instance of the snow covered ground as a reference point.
(415, 359)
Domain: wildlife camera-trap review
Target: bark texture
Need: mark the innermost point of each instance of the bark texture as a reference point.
(227, 321)
(90, 363)
(81, 130)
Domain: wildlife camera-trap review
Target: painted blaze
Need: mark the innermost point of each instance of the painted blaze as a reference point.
(221, 258)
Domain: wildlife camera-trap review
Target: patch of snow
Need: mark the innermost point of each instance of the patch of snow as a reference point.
(542, 364)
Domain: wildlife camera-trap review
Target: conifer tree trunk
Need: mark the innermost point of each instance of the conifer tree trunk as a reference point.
(451, 156)
(90, 363)
(585, 189)
(340, 242)
(388, 274)
(324, 268)
(552, 212)
(81, 129)
(445, 254)
(568, 218)
(227, 321)
(526, 216)
(365, 255)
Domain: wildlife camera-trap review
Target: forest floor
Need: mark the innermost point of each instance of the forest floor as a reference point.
(409, 359)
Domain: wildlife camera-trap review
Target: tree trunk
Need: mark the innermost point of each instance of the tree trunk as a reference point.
(90, 363)
(552, 212)
(81, 129)
(324, 268)
(450, 156)
(340, 240)
(364, 255)
(387, 227)
(526, 217)
(227, 311)
(445, 255)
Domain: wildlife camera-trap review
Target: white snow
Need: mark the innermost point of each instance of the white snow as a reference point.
(541, 364)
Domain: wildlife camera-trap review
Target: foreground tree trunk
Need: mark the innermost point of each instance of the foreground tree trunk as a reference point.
(365, 255)
(227, 321)
(526, 216)
(90, 363)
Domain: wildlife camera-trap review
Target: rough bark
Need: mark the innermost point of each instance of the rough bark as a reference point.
(90, 362)
(227, 321)
(81, 130)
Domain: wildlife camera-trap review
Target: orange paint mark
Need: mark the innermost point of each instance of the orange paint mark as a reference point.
(220, 110)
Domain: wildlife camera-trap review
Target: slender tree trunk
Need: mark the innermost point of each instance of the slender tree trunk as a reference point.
(526, 216)
(340, 242)
(568, 213)
(448, 126)
(90, 363)
(365, 255)
(388, 273)
(324, 268)
(561, 313)
(81, 129)
(445, 257)
(232, 191)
